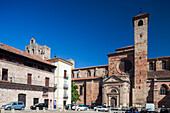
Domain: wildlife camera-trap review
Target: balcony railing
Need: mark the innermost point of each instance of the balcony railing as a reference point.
(24, 81)
(66, 95)
(66, 76)
(65, 86)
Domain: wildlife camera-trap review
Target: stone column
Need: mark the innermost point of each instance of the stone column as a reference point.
(104, 95)
(155, 93)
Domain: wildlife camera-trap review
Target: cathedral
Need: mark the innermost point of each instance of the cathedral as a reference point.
(130, 78)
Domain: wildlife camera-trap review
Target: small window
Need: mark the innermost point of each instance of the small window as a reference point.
(163, 65)
(88, 73)
(28, 51)
(163, 90)
(29, 79)
(33, 51)
(150, 66)
(65, 73)
(81, 90)
(5, 74)
(46, 81)
(32, 41)
(78, 74)
(140, 23)
(113, 91)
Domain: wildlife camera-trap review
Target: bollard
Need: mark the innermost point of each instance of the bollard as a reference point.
(75, 109)
(37, 109)
(64, 109)
(96, 110)
(13, 109)
(78, 109)
(109, 110)
(2, 110)
(44, 109)
(59, 109)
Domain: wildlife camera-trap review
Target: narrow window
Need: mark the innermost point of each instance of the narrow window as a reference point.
(78, 74)
(150, 66)
(163, 65)
(29, 79)
(163, 90)
(5, 74)
(81, 90)
(140, 23)
(65, 73)
(46, 81)
(33, 51)
(88, 73)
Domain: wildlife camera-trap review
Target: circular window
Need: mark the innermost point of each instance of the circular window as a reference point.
(125, 66)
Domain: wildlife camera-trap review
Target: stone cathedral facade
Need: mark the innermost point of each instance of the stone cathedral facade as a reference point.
(130, 78)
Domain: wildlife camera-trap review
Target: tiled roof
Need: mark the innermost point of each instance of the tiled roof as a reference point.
(90, 67)
(85, 78)
(23, 53)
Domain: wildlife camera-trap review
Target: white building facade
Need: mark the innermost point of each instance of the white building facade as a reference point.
(62, 77)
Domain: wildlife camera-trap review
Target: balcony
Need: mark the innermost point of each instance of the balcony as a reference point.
(65, 96)
(66, 76)
(159, 74)
(25, 82)
(65, 86)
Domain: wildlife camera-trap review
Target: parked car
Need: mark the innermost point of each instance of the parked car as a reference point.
(110, 107)
(143, 110)
(79, 107)
(16, 105)
(116, 108)
(124, 108)
(132, 110)
(102, 108)
(92, 106)
(164, 110)
(40, 106)
(156, 110)
(87, 106)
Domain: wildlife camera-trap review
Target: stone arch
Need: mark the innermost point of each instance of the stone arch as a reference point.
(88, 73)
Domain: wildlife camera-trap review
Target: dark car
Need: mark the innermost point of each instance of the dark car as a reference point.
(132, 110)
(143, 110)
(92, 106)
(40, 106)
(164, 110)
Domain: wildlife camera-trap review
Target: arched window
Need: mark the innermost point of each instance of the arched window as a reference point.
(163, 90)
(88, 73)
(150, 66)
(164, 65)
(72, 75)
(95, 72)
(78, 74)
(140, 23)
(32, 50)
(113, 91)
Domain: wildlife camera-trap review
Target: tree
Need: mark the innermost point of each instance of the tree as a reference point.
(74, 93)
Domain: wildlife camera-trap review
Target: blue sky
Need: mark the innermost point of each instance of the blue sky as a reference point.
(84, 30)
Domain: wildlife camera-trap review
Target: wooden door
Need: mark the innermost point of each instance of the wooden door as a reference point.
(22, 98)
(46, 81)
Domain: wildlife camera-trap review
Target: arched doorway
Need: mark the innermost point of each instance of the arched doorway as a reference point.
(113, 101)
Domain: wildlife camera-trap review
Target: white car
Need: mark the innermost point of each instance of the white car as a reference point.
(79, 107)
(102, 108)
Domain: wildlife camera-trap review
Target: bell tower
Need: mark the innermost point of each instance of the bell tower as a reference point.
(139, 92)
